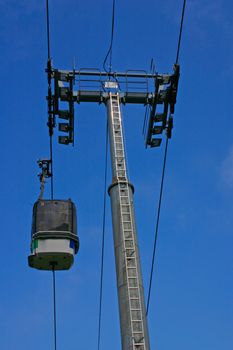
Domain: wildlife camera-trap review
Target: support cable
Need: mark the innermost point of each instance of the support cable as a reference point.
(51, 125)
(51, 158)
(51, 120)
(48, 27)
(163, 169)
(180, 34)
(109, 53)
(103, 240)
(157, 225)
(54, 309)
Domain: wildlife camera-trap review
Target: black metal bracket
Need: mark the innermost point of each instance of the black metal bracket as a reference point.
(165, 95)
(63, 92)
(45, 166)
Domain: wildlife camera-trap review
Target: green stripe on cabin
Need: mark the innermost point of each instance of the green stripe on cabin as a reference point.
(35, 244)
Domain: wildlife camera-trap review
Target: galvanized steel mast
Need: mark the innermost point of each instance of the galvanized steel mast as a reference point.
(134, 330)
(113, 89)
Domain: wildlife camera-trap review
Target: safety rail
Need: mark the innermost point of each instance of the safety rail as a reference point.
(93, 79)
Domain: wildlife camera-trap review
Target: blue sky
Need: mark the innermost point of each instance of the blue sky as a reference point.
(192, 305)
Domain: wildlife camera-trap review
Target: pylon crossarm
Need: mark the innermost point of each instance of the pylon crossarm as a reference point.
(133, 87)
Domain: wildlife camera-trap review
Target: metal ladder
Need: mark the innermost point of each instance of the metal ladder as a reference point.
(134, 297)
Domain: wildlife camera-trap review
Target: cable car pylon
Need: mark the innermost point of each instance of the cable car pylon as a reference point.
(113, 89)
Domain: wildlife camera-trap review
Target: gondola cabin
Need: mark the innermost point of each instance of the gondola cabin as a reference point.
(54, 240)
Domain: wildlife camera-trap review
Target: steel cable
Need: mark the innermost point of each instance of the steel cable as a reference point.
(157, 225)
(50, 125)
(50, 103)
(48, 27)
(163, 174)
(103, 239)
(109, 53)
(51, 158)
(54, 310)
(180, 33)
